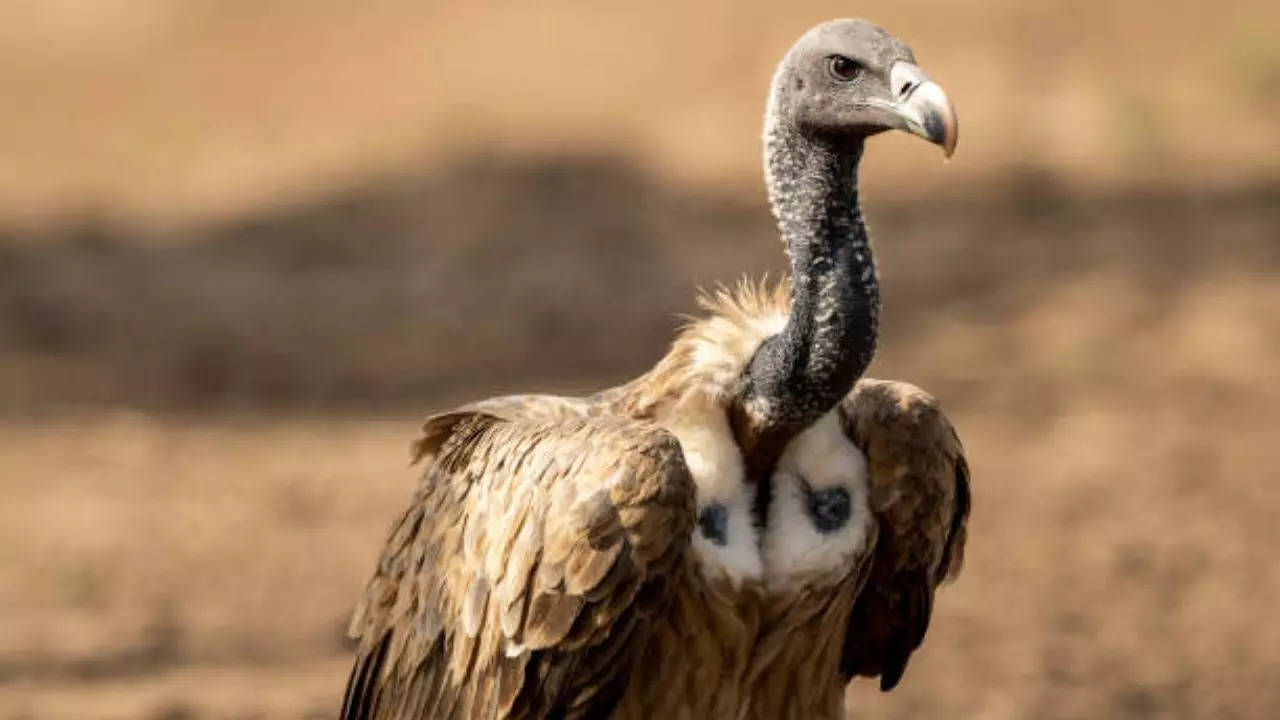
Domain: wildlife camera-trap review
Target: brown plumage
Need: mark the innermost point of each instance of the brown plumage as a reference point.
(466, 617)
(544, 568)
(693, 544)
(523, 574)
(919, 493)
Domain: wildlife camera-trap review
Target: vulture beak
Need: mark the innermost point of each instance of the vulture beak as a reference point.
(923, 107)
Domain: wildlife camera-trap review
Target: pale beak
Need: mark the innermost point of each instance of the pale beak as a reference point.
(923, 106)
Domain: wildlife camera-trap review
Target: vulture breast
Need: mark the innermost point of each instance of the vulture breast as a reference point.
(725, 542)
(819, 519)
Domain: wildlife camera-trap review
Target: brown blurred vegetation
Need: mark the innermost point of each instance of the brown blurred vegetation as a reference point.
(243, 247)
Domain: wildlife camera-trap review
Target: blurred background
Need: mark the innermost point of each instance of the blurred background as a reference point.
(246, 246)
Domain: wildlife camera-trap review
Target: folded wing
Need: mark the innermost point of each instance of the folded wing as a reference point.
(519, 581)
(919, 494)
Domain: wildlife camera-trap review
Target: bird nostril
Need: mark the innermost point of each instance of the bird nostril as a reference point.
(907, 88)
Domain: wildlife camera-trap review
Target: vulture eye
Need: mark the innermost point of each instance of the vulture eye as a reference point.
(843, 68)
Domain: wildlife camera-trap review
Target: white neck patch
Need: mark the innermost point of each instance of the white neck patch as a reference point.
(715, 462)
(794, 547)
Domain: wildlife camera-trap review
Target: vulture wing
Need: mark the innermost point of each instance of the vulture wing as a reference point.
(518, 583)
(919, 493)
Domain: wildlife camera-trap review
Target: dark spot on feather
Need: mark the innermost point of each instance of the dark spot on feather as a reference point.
(713, 521)
(830, 508)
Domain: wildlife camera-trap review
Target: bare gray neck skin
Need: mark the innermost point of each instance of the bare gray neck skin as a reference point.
(802, 372)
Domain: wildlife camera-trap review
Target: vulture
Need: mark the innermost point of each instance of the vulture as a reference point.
(738, 532)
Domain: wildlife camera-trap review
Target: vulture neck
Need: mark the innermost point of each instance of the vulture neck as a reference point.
(830, 336)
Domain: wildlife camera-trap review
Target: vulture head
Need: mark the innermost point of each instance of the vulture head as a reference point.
(846, 80)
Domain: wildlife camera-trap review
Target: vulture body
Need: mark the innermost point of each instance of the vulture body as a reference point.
(736, 533)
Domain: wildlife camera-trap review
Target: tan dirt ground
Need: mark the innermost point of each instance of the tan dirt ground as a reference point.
(1119, 425)
(244, 247)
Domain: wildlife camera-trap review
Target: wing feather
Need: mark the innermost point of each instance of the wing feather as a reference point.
(510, 588)
(919, 485)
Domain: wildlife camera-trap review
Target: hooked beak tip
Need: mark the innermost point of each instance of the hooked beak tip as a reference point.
(925, 107)
(936, 116)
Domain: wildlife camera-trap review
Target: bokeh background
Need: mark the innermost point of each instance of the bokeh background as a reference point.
(245, 246)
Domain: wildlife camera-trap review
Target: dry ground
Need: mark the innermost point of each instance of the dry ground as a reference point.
(245, 246)
(1112, 364)
(1121, 561)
